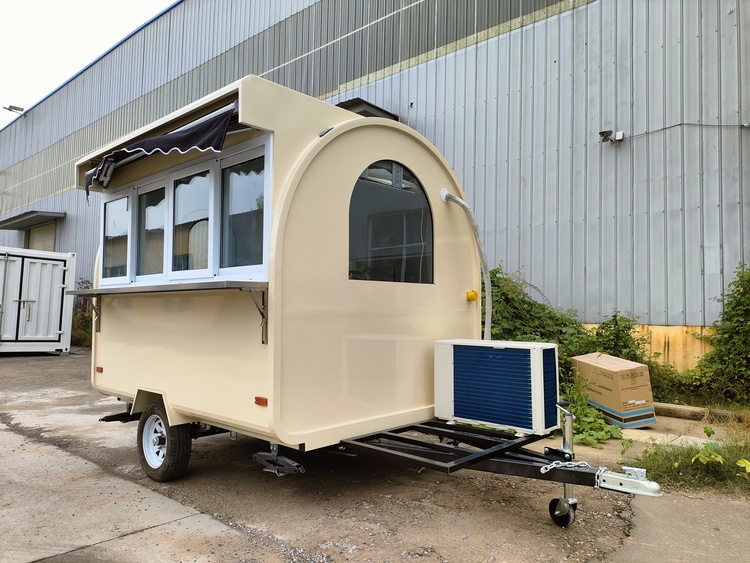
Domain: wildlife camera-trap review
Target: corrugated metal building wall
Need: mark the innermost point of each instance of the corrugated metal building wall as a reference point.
(513, 93)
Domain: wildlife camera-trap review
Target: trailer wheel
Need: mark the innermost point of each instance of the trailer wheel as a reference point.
(164, 450)
(563, 520)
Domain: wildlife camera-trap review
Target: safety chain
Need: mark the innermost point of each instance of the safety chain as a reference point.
(565, 464)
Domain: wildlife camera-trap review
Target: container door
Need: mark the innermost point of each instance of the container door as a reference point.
(10, 287)
(42, 288)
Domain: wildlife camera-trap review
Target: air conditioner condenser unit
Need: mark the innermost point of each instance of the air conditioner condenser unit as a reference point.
(497, 383)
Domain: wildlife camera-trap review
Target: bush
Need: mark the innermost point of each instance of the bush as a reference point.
(618, 336)
(723, 374)
(80, 334)
(589, 427)
(516, 316)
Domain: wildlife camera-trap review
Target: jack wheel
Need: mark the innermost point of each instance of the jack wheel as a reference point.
(164, 450)
(556, 509)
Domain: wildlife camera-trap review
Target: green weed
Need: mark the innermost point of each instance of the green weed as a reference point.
(714, 465)
(590, 426)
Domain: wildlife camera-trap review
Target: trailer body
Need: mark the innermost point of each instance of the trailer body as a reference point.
(326, 332)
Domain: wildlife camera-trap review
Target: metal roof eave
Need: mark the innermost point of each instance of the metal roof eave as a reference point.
(29, 219)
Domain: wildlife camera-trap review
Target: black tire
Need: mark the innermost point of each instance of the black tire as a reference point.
(164, 450)
(563, 520)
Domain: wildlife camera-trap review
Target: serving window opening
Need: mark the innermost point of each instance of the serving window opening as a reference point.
(390, 226)
(205, 221)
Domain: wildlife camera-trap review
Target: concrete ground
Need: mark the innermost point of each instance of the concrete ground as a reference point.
(682, 528)
(685, 526)
(56, 506)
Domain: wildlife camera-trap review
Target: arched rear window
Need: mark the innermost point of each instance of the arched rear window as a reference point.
(390, 226)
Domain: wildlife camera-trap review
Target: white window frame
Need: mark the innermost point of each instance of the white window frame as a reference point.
(214, 164)
(254, 272)
(139, 191)
(177, 174)
(117, 280)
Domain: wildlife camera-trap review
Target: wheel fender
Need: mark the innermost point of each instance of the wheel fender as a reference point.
(144, 397)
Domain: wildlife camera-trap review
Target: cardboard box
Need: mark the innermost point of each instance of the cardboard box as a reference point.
(621, 389)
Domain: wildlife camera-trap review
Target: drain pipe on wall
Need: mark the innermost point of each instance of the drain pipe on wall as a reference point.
(446, 196)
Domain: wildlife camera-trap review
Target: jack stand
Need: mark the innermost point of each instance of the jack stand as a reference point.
(278, 464)
(563, 510)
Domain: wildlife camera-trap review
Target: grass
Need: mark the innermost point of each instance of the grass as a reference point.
(722, 466)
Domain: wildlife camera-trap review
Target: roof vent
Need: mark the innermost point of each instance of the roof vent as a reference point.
(363, 107)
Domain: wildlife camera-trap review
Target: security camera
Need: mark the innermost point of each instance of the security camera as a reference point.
(606, 136)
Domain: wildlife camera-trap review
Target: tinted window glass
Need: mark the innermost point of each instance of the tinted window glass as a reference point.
(242, 214)
(116, 227)
(191, 200)
(151, 222)
(390, 226)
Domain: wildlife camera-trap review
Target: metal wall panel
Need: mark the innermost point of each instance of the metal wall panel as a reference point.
(154, 58)
(642, 226)
(710, 155)
(560, 176)
(743, 63)
(513, 93)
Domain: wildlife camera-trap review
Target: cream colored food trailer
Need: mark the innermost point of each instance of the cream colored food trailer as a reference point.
(281, 268)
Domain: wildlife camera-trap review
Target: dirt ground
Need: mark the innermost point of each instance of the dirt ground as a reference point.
(342, 508)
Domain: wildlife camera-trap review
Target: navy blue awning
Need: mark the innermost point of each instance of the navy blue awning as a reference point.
(204, 134)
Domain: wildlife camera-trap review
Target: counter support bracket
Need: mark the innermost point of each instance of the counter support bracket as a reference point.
(262, 307)
(96, 306)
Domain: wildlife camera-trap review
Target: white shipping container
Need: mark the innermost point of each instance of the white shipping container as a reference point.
(35, 313)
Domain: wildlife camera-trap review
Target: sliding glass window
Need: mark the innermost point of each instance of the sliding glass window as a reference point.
(151, 223)
(192, 196)
(116, 231)
(242, 207)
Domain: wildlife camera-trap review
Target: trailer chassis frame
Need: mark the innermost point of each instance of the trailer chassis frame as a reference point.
(448, 447)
